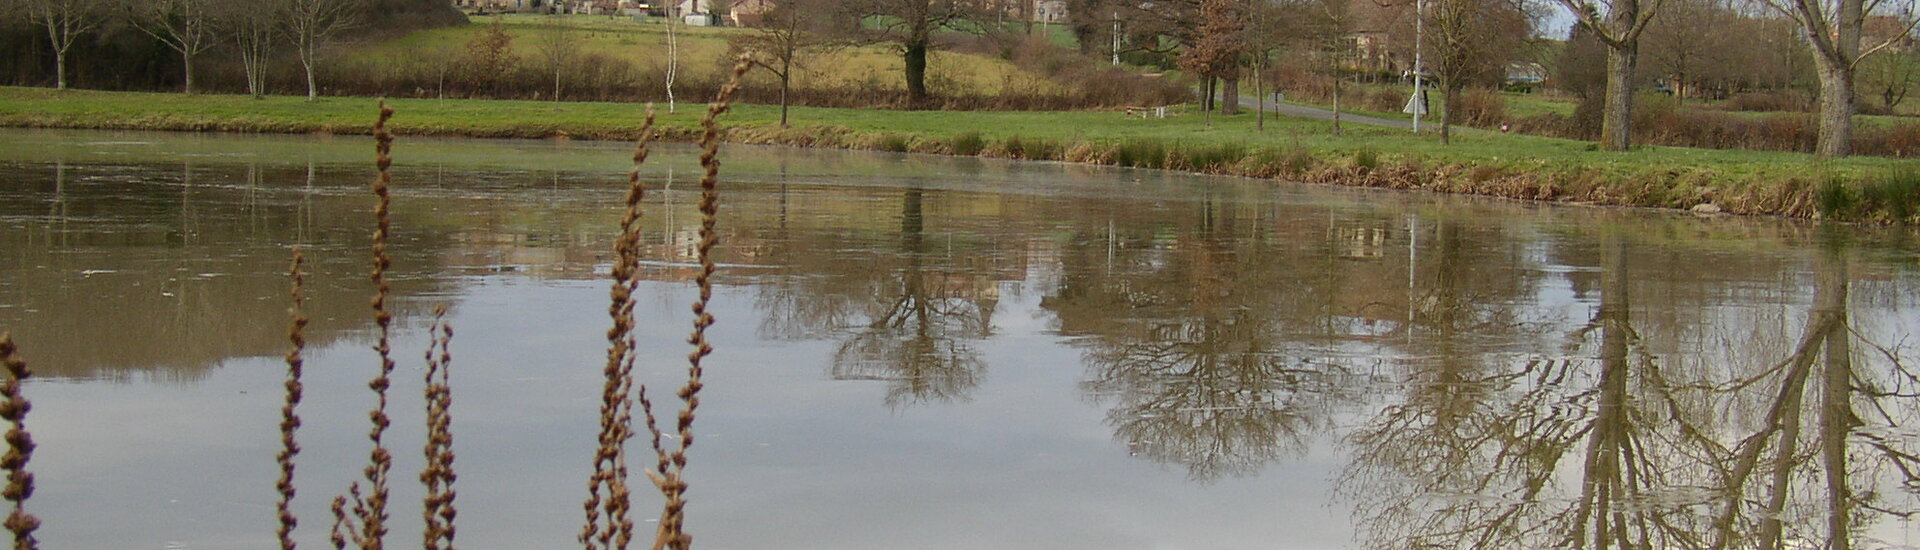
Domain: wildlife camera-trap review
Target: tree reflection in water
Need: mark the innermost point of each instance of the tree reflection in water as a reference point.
(1185, 335)
(903, 314)
(1606, 449)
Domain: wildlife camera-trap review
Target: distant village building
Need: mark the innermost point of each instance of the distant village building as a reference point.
(1049, 11)
(749, 13)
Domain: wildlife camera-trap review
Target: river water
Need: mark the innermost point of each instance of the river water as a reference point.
(925, 352)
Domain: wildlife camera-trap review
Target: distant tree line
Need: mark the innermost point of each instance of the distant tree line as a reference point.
(159, 44)
(1834, 52)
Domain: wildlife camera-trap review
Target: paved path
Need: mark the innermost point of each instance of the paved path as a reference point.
(1304, 111)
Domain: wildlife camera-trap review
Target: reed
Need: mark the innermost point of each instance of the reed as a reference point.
(609, 474)
(438, 475)
(289, 418)
(367, 526)
(672, 481)
(19, 446)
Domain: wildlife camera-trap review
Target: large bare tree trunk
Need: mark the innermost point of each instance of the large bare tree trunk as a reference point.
(1616, 125)
(1620, 25)
(1230, 95)
(1837, 418)
(1836, 109)
(916, 59)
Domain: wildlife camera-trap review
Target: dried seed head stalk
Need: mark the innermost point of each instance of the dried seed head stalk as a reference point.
(289, 419)
(438, 474)
(372, 510)
(19, 447)
(671, 482)
(343, 527)
(606, 488)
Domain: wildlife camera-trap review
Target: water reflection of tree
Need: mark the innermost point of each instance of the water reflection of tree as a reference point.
(1185, 324)
(1616, 451)
(1829, 452)
(904, 314)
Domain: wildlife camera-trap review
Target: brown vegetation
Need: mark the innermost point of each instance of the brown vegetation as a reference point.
(19, 446)
(289, 417)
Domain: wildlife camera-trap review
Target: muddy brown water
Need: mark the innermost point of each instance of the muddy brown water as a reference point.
(925, 352)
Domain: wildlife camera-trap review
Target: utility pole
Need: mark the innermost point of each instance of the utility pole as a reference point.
(1419, 103)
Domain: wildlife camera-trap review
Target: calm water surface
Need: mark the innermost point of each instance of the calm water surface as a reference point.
(937, 353)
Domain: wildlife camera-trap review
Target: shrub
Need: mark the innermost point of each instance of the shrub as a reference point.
(1895, 195)
(1482, 108)
(1141, 153)
(1768, 101)
(967, 143)
(1834, 199)
(1366, 159)
(1900, 140)
(1206, 157)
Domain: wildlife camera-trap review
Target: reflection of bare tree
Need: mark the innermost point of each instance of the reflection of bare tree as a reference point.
(1210, 394)
(1185, 335)
(1616, 452)
(1473, 458)
(912, 315)
(1830, 445)
(918, 326)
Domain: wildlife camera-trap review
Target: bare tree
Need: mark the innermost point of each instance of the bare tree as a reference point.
(1681, 52)
(558, 45)
(184, 26)
(1473, 40)
(673, 55)
(1618, 24)
(312, 24)
(250, 24)
(910, 24)
(779, 45)
(1834, 29)
(1890, 76)
(64, 21)
(1217, 50)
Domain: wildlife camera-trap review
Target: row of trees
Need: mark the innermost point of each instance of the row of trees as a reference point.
(256, 31)
(1691, 41)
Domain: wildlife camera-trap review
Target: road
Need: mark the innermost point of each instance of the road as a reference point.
(1303, 111)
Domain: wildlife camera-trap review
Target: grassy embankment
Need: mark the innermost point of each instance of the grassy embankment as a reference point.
(614, 57)
(1515, 166)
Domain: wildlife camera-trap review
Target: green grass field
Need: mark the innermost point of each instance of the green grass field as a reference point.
(1479, 162)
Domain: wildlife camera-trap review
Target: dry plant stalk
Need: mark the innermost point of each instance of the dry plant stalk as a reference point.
(367, 526)
(438, 474)
(19, 446)
(670, 478)
(289, 419)
(607, 490)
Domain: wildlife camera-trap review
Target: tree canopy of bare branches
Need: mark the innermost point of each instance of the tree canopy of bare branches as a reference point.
(64, 21)
(1834, 30)
(911, 24)
(184, 26)
(1619, 24)
(779, 45)
(311, 25)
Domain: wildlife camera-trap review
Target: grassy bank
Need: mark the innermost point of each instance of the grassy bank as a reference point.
(1485, 163)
